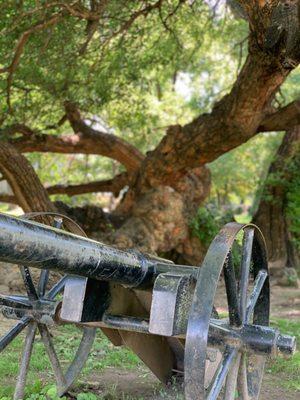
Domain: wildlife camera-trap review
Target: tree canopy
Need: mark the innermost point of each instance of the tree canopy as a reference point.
(89, 89)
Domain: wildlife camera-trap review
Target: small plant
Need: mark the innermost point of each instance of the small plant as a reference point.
(205, 225)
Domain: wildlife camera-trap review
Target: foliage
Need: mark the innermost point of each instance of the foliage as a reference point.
(139, 82)
(206, 224)
(237, 180)
(238, 175)
(126, 73)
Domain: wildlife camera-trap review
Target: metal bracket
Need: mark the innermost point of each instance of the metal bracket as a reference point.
(171, 302)
(84, 299)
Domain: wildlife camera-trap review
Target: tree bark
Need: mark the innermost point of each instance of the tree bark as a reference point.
(271, 215)
(19, 173)
(233, 121)
(103, 145)
(114, 186)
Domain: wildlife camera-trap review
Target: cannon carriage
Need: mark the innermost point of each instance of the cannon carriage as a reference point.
(170, 315)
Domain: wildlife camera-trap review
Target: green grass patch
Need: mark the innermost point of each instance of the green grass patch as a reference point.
(288, 368)
(105, 355)
(66, 340)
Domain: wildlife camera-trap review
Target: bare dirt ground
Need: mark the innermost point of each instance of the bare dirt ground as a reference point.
(285, 302)
(116, 383)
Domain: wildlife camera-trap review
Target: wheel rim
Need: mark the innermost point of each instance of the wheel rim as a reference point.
(236, 367)
(38, 293)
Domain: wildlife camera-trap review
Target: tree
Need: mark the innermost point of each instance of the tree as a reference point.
(278, 209)
(94, 52)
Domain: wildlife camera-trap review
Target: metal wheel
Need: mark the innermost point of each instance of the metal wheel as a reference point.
(245, 280)
(36, 311)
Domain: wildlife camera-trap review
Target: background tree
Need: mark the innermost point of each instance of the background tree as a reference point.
(278, 211)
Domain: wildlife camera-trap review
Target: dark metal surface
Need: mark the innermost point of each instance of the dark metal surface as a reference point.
(13, 333)
(198, 325)
(232, 292)
(197, 339)
(45, 247)
(48, 248)
(44, 276)
(258, 285)
(29, 285)
(245, 270)
(252, 339)
(15, 303)
(84, 299)
(25, 359)
(121, 322)
(220, 376)
(171, 301)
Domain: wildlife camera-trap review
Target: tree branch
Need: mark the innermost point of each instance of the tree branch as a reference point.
(19, 173)
(87, 141)
(16, 128)
(8, 198)
(283, 119)
(114, 185)
(233, 121)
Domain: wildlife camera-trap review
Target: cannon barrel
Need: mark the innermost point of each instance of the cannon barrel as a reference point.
(39, 246)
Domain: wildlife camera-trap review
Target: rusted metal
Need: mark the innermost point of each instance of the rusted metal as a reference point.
(182, 306)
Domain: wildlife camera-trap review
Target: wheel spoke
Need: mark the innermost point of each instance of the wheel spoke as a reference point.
(13, 332)
(43, 280)
(258, 285)
(44, 277)
(231, 380)
(29, 285)
(222, 371)
(58, 373)
(255, 371)
(231, 291)
(57, 288)
(21, 381)
(80, 357)
(12, 302)
(243, 380)
(245, 268)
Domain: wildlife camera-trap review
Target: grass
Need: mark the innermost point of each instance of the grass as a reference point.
(66, 341)
(289, 368)
(104, 355)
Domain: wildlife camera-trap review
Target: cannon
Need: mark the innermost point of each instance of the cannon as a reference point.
(207, 327)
